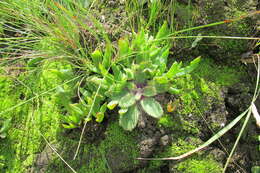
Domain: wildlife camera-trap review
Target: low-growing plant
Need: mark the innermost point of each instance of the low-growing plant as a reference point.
(130, 81)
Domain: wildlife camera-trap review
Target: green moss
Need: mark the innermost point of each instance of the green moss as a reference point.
(199, 166)
(202, 88)
(198, 162)
(166, 121)
(29, 121)
(220, 75)
(118, 144)
(178, 124)
(115, 153)
(197, 94)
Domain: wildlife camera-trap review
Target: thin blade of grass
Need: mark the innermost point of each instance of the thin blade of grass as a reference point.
(238, 138)
(256, 115)
(247, 117)
(53, 149)
(216, 23)
(207, 143)
(85, 124)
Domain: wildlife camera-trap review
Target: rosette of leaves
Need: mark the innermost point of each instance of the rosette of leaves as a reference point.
(138, 73)
(130, 80)
(135, 93)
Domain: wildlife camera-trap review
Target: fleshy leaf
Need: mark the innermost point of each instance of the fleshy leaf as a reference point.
(75, 108)
(69, 126)
(129, 120)
(161, 60)
(99, 117)
(107, 55)
(163, 32)
(122, 111)
(123, 49)
(127, 100)
(175, 68)
(193, 65)
(101, 114)
(152, 107)
(149, 91)
(129, 73)
(111, 105)
(103, 108)
(174, 90)
(73, 119)
(96, 57)
(117, 72)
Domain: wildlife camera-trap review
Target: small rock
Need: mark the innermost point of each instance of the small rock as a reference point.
(165, 140)
(147, 146)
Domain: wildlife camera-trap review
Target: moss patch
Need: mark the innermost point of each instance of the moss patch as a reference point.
(199, 166)
(117, 152)
(199, 162)
(203, 87)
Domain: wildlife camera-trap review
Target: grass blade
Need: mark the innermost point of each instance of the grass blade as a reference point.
(207, 143)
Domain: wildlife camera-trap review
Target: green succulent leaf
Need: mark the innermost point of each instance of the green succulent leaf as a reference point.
(123, 49)
(117, 73)
(175, 68)
(122, 111)
(129, 120)
(103, 108)
(152, 107)
(69, 126)
(115, 94)
(107, 55)
(131, 86)
(193, 65)
(163, 31)
(103, 70)
(76, 109)
(111, 105)
(161, 60)
(95, 80)
(140, 77)
(139, 39)
(73, 118)
(149, 91)
(154, 51)
(174, 90)
(129, 73)
(160, 87)
(255, 169)
(99, 117)
(127, 100)
(96, 57)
